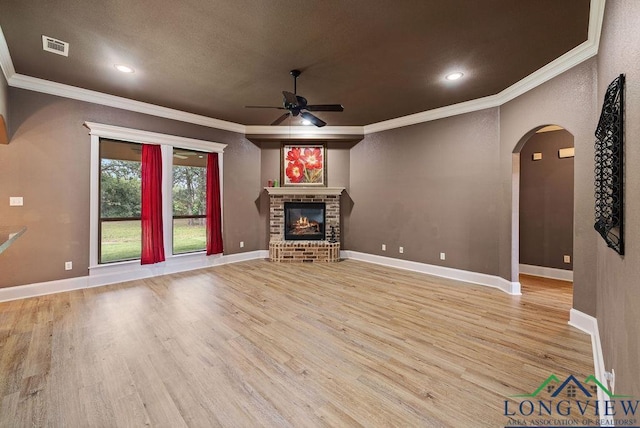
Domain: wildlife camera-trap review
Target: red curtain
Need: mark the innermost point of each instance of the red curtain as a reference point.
(152, 236)
(214, 212)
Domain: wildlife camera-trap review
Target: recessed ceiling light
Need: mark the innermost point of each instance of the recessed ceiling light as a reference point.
(454, 76)
(305, 122)
(124, 68)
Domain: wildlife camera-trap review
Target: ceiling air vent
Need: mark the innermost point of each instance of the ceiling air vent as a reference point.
(55, 46)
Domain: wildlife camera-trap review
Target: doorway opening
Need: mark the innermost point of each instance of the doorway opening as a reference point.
(543, 204)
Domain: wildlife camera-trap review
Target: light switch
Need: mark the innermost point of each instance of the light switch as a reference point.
(16, 201)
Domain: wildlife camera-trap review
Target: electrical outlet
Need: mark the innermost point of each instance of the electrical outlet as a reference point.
(241, 244)
(567, 259)
(443, 256)
(16, 201)
(401, 250)
(68, 265)
(384, 247)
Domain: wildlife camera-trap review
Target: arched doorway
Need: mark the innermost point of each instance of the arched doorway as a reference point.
(543, 203)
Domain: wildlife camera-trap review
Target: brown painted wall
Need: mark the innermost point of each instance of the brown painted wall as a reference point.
(569, 101)
(546, 201)
(47, 162)
(451, 182)
(338, 155)
(429, 188)
(618, 277)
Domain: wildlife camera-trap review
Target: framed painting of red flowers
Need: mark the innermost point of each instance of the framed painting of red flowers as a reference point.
(303, 165)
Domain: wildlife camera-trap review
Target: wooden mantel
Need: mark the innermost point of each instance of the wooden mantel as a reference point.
(304, 190)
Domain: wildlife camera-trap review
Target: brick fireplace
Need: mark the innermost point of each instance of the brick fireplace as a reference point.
(282, 250)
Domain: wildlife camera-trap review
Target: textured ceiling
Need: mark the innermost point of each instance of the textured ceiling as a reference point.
(381, 59)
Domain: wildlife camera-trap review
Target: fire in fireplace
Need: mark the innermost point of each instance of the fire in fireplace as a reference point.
(304, 221)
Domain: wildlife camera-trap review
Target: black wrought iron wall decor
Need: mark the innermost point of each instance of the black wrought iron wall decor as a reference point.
(609, 170)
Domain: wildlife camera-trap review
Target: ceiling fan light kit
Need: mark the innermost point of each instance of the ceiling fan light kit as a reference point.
(297, 105)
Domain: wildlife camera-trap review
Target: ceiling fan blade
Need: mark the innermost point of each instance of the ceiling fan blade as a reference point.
(290, 100)
(279, 108)
(325, 107)
(302, 101)
(311, 118)
(279, 120)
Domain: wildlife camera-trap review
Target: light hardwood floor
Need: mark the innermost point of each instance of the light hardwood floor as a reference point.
(264, 344)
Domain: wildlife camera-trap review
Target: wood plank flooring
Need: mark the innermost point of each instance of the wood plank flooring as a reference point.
(263, 344)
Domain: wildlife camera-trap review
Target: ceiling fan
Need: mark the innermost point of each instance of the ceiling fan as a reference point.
(297, 105)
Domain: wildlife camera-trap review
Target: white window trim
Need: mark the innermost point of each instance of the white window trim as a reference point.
(173, 263)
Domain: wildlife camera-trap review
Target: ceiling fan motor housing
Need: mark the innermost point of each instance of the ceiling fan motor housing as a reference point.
(295, 104)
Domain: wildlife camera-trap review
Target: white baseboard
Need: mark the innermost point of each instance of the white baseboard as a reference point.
(589, 325)
(243, 257)
(129, 271)
(547, 272)
(43, 288)
(126, 271)
(441, 271)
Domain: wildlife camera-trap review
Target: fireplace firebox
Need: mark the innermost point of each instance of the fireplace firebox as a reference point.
(304, 221)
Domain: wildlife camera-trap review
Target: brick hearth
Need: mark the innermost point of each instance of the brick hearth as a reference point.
(304, 251)
(281, 250)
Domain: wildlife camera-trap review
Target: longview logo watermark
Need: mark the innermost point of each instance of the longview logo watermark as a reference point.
(571, 403)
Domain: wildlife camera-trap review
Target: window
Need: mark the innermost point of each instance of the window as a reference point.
(189, 201)
(116, 199)
(120, 186)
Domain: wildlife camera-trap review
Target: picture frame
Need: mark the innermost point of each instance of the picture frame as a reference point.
(303, 165)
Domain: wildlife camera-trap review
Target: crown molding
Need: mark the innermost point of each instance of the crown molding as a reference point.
(260, 134)
(304, 131)
(67, 91)
(596, 17)
(575, 56)
(434, 114)
(572, 58)
(556, 67)
(5, 58)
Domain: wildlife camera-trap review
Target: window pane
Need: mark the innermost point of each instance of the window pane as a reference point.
(121, 240)
(120, 189)
(189, 234)
(120, 179)
(189, 175)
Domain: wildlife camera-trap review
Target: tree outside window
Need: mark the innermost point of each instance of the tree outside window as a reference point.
(189, 201)
(120, 187)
